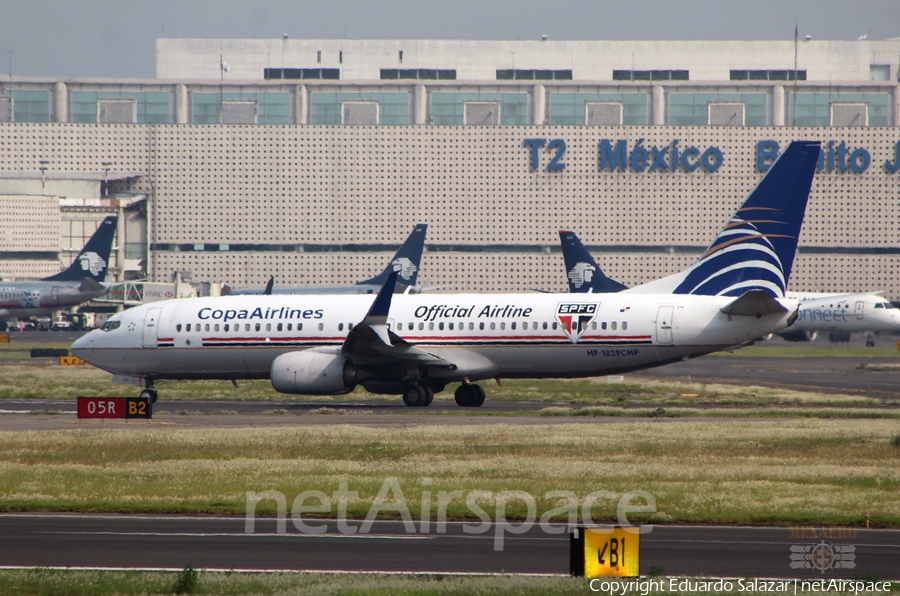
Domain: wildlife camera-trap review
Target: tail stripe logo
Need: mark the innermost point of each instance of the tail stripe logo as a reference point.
(741, 259)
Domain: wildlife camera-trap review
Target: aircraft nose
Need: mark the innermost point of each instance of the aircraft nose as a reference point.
(83, 343)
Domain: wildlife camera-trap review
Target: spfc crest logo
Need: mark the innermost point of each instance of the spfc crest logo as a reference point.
(575, 319)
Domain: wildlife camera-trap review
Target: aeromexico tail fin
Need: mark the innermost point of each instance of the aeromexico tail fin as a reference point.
(756, 249)
(582, 271)
(406, 260)
(93, 260)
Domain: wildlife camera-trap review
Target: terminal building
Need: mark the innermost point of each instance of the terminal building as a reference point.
(311, 160)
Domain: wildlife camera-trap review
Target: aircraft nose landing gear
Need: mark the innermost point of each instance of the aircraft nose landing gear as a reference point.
(150, 393)
(469, 396)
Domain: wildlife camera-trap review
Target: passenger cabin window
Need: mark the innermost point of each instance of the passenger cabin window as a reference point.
(441, 326)
(246, 326)
(216, 327)
(258, 325)
(603, 325)
(493, 325)
(431, 326)
(411, 326)
(624, 325)
(340, 326)
(280, 326)
(545, 324)
(321, 326)
(471, 326)
(512, 325)
(613, 325)
(481, 326)
(450, 326)
(421, 326)
(178, 327)
(503, 325)
(227, 326)
(290, 326)
(554, 325)
(594, 325)
(188, 328)
(268, 326)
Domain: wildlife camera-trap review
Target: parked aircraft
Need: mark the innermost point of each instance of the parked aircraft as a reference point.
(414, 345)
(406, 261)
(839, 315)
(82, 281)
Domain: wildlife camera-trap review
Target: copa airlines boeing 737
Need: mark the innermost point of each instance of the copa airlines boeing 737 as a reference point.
(839, 315)
(415, 345)
(80, 282)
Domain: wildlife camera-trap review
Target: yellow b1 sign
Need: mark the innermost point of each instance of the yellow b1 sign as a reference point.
(605, 552)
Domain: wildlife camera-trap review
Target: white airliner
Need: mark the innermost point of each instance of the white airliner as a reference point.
(414, 345)
(842, 314)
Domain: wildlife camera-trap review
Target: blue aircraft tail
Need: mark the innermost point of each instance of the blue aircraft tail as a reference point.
(406, 260)
(756, 249)
(584, 274)
(93, 260)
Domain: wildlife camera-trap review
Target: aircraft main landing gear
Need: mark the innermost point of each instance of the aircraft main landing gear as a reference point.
(469, 396)
(418, 396)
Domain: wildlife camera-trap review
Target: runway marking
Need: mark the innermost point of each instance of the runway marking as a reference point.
(252, 535)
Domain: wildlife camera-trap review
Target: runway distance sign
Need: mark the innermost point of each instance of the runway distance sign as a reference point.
(114, 407)
(605, 552)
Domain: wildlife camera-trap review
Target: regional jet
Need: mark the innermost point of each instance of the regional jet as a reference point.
(839, 315)
(82, 281)
(415, 345)
(406, 262)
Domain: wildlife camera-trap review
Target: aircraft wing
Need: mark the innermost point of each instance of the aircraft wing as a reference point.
(371, 342)
(754, 303)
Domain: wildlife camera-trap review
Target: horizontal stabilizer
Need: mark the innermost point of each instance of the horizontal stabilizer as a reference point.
(754, 303)
(88, 284)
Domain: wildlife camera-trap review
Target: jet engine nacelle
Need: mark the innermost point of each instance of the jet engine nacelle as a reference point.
(313, 373)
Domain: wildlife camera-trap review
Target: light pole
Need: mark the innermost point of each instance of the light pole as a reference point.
(106, 165)
(43, 168)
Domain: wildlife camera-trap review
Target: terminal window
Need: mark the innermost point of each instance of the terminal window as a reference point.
(603, 113)
(481, 113)
(726, 113)
(531, 74)
(768, 75)
(849, 114)
(302, 73)
(359, 113)
(426, 74)
(651, 75)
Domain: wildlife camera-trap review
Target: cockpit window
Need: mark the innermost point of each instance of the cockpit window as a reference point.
(110, 325)
(889, 305)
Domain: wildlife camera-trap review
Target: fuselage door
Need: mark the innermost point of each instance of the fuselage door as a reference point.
(151, 327)
(664, 325)
(54, 295)
(860, 307)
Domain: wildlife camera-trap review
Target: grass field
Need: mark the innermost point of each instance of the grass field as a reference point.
(77, 583)
(43, 380)
(783, 471)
